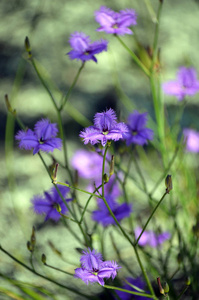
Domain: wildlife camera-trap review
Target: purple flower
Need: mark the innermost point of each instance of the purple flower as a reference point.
(47, 204)
(105, 128)
(185, 84)
(83, 49)
(42, 138)
(192, 140)
(103, 216)
(88, 164)
(115, 22)
(138, 133)
(138, 282)
(150, 238)
(94, 269)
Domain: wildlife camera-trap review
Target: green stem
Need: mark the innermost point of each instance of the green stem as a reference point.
(103, 168)
(75, 188)
(71, 87)
(129, 292)
(57, 269)
(149, 219)
(135, 58)
(42, 276)
(183, 291)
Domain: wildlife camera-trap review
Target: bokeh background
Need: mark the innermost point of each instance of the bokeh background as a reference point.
(48, 24)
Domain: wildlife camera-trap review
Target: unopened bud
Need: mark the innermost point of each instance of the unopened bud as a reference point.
(166, 287)
(29, 246)
(106, 178)
(188, 281)
(179, 258)
(27, 46)
(111, 172)
(58, 207)
(160, 286)
(53, 171)
(43, 258)
(168, 183)
(33, 237)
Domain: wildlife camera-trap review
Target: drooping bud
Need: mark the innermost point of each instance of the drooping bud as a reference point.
(188, 281)
(111, 172)
(53, 170)
(179, 258)
(106, 178)
(29, 246)
(43, 258)
(28, 47)
(160, 286)
(166, 287)
(33, 238)
(168, 183)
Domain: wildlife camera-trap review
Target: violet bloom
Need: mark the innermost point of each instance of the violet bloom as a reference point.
(94, 269)
(138, 133)
(103, 216)
(48, 203)
(42, 138)
(83, 49)
(192, 140)
(88, 164)
(115, 22)
(185, 84)
(138, 282)
(150, 238)
(105, 128)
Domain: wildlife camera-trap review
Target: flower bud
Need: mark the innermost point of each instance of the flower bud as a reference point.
(106, 178)
(43, 258)
(160, 286)
(111, 172)
(33, 238)
(188, 281)
(28, 47)
(168, 183)
(29, 246)
(58, 207)
(179, 258)
(53, 171)
(166, 287)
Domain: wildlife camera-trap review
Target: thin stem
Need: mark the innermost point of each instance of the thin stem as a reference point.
(57, 269)
(135, 58)
(149, 219)
(42, 276)
(71, 87)
(183, 291)
(75, 188)
(129, 292)
(103, 167)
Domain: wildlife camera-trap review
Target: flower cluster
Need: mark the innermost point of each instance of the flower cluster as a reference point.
(83, 49)
(48, 203)
(42, 138)
(185, 84)
(115, 22)
(94, 269)
(150, 238)
(105, 128)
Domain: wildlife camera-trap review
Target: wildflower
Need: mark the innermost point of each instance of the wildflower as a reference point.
(105, 128)
(185, 84)
(83, 49)
(103, 216)
(138, 282)
(150, 238)
(94, 269)
(49, 203)
(42, 138)
(138, 133)
(115, 22)
(192, 140)
(88, 164)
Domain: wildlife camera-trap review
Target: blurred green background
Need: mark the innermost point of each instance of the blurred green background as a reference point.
(48, 24)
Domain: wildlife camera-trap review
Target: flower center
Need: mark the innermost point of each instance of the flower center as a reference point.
(41, 141)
